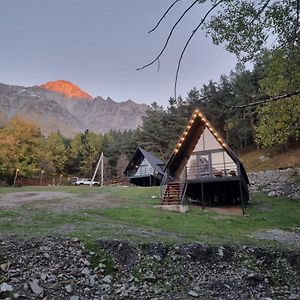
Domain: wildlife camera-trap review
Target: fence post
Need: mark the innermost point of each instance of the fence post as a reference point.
(41, 176)
(16, 176)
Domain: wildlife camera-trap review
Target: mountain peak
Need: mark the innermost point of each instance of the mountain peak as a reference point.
(66, 88)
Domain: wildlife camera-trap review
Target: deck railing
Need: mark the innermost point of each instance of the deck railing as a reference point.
(164, 182)
(216, 170)
(142, 171)
(183, 185)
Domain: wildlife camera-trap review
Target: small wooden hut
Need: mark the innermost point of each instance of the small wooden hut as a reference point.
(203, 167)
(144, 169)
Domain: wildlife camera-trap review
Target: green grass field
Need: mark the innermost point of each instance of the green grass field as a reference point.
(129, 213)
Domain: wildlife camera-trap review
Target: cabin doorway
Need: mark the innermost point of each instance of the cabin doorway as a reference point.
(204, 165)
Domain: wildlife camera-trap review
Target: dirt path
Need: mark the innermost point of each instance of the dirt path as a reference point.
(56, 201)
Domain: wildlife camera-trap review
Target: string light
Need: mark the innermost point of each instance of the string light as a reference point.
(208, 125)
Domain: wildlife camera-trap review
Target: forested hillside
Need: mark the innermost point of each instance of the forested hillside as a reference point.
(227, 104)
(275, 123)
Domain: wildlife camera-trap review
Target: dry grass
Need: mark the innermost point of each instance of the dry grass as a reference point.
(271, 158)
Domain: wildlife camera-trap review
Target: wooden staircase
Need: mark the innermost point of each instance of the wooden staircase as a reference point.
(173, 194)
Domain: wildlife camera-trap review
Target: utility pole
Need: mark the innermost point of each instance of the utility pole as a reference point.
(96, 170)
(102, 169)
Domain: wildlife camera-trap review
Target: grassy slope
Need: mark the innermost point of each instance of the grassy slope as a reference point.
(276, 158)
(136, 219)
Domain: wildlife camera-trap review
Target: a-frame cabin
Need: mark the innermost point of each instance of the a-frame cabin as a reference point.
(144, 169)
(203, 167)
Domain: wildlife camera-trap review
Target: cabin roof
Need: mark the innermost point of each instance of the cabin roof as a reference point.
(154, 161)
(188, 140)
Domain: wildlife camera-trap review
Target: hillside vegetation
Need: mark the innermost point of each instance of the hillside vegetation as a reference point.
(273, 158)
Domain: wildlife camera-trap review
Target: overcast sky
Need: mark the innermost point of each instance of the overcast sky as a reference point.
(98, 44)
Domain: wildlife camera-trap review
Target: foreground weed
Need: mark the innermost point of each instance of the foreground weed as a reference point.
(99, 257)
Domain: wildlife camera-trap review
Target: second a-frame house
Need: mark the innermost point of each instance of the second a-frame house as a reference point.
(203, 167)
(144, 169)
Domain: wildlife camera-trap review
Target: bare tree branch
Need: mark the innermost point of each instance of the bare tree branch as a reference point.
(284, 96)
(169, 36)
(164, 15)
(188, 41)
(260, 11)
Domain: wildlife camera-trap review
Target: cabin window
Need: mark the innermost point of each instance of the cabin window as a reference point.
(207, 142)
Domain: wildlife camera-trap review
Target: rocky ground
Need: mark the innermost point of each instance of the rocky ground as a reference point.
(60, 268)
(279, 182)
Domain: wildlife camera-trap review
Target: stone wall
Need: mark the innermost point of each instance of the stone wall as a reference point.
(279, 182)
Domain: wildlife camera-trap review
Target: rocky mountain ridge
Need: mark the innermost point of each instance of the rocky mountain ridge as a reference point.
(53, 111)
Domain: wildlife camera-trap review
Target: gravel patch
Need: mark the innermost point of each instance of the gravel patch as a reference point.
(281, 236)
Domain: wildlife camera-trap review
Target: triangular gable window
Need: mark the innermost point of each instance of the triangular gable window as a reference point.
(144, 168)
(209, 159)
(207, 142)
